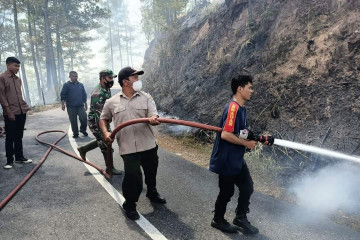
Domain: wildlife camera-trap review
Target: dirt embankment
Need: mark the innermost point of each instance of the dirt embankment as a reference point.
(304, 56)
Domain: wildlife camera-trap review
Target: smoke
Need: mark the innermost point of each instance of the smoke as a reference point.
(330, 189)
(178, 130)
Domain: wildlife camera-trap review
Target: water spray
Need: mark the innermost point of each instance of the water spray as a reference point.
(249, 135)
(316, 150)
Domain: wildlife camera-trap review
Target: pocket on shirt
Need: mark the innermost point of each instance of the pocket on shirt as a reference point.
(141, 110)
(119, 109)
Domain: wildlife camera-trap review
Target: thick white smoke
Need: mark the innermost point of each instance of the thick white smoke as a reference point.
(331, 188)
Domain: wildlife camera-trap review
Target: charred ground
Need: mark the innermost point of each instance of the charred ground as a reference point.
(305, 59)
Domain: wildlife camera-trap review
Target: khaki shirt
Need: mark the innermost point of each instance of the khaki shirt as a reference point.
(11, 95)
(137, 137)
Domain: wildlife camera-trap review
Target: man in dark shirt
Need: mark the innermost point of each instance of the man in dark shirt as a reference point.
(15, 109)
(227, 160)
(74, 95)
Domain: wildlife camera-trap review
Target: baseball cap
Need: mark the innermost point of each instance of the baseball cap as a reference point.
(107, 72)
(128, 71)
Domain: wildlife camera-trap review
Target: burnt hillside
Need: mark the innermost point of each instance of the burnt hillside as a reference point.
(304, 56)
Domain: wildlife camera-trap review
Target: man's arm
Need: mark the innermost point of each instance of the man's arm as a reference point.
(229, 127)
(232, 138)
(4, 102)
(103, 124)
(84, 97)
(63, 105)
(105, 119)
(152, 111)
(63, 96)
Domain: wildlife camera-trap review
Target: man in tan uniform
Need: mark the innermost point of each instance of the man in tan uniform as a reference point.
(15, 109)
(136, 142)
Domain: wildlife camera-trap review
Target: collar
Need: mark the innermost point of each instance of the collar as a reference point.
(10, 74)
(122, 94)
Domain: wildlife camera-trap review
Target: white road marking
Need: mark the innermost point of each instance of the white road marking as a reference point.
(142, 222)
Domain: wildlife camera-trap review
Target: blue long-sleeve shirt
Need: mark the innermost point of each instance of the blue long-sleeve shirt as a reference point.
(73, 94)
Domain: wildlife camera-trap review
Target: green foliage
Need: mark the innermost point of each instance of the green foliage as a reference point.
(160, 15)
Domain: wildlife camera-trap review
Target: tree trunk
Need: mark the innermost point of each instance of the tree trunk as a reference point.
(111, 44)
(38, 59)
(60, 58)
(127, 40)
(130, 47)
(26, 88)
(33, 51)
(59, 50)
(50, 59)
(119, 44)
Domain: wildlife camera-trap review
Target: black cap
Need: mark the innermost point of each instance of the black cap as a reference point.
(107, 72)
(127, 72)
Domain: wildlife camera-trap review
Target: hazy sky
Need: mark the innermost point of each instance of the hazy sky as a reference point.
(99, 62)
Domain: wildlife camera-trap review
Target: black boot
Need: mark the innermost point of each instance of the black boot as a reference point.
(244, 225)
(223, 225)
(88, 147)
(154, 196)
(114, 170)
(130, 211)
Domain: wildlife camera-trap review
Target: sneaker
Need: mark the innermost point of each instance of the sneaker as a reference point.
(244, 225)
(131, 212)
(116, 172)
(155, 197)
(75, 135)
(223, 225)
(82, 154)
(8, 166)
(23, 160)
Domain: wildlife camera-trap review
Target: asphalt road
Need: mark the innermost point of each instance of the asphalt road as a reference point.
(63, 200)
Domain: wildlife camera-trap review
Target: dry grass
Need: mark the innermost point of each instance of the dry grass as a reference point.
(43, 108)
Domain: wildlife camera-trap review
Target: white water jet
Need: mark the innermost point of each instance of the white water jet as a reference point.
(317, 150)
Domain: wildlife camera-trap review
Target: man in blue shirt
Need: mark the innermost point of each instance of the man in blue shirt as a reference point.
(227, 160)
(74, 95)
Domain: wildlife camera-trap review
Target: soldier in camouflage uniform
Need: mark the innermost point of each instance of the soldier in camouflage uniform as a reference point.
(98, 97)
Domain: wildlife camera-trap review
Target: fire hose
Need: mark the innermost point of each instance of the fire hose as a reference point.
(42, 160)
(109, 161)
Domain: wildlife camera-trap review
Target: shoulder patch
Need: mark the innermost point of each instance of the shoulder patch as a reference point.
(149, 97)
(146, 94)
(230, 119)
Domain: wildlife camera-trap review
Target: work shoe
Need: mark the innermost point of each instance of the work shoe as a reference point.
(116, 172)
(8, 165)
(85, 133)
(155, 197)
(223, 225)
(131, 212)
(23, 160)
(244, 225)
(82, 153)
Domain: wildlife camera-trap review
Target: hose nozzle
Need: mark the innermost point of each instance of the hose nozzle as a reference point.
(246, 134)
(269, 139)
